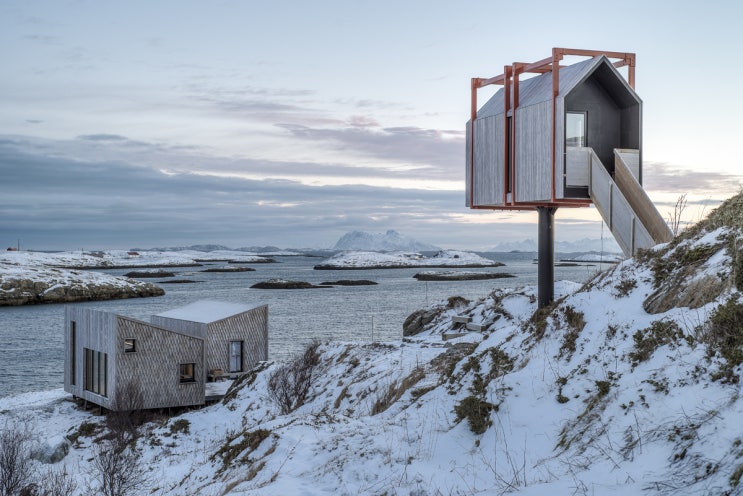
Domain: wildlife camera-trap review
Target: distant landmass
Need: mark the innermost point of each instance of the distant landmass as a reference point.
(389, 241)
(607, 245)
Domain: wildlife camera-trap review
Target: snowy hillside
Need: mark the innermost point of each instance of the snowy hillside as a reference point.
(627, 385)
(389, 241)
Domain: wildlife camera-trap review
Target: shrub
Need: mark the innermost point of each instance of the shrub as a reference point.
(117, 470)
(289, 385)
(234, 446)
(477, 413)
(724, 333)
(648, 340)
(16, 469)
(180, 425)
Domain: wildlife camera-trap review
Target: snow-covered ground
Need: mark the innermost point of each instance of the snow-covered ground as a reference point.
(122, 258)
(371, 259)
(593, 395)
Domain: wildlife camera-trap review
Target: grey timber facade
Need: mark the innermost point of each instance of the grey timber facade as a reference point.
(122, 363)
(513, 136)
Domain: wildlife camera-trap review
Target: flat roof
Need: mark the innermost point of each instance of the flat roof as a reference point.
(206, 311)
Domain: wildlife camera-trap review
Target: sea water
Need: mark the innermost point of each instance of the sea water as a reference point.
(32, 359)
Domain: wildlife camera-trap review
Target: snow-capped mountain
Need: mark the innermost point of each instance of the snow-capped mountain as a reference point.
(389, 241)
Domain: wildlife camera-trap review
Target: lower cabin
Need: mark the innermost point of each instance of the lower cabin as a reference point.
(121, 363)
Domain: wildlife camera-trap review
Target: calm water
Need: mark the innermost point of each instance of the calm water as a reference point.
(31, 358)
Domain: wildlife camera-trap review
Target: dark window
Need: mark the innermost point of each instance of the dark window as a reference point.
(130, 345)
(187, 372)
(236, 356)
(96, 372)
(73, 345)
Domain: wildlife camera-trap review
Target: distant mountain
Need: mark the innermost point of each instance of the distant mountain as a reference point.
(389, 241)
(185, 248)
(608, 245)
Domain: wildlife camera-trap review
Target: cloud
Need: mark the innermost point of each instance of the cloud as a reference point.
(443, 152)
(59, 202)
(662, 177)
(102, 137)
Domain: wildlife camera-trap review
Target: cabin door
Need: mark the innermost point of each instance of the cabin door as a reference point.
(236, 356)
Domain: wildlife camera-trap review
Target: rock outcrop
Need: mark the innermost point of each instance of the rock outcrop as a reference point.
(67, 286)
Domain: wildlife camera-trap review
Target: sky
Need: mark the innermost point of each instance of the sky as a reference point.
(248, 123)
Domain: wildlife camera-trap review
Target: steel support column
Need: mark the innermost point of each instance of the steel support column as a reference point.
(546, 262)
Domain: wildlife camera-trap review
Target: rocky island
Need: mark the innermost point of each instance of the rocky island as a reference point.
(365, 260)
(431, 275)
(285, 284)
(33, 285)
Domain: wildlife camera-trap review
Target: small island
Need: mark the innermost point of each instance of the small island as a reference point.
(350, 282)
(36, 285)
(285, 284)
(460, 276)
(366, 260)
(140, 274)
(229, 269)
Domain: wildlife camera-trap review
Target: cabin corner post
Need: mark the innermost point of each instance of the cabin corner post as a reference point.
(546, 256)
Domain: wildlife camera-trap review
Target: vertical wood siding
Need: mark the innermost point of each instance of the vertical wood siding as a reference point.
(467, 166)
(95, 330)
(533, 152)
(489, 160)
(561, 159)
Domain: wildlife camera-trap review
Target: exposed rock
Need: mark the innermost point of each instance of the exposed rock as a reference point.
(678, 293)
(229, 269)
(417, 321)
(284, 284)
(26, 291)
(349, 282)
(149, 273)
(47, 453)
(460, 276)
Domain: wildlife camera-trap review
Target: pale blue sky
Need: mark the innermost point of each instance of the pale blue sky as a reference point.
(290, 123)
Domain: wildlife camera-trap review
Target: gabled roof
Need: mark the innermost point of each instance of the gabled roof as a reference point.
(538, 89)
(206, 311)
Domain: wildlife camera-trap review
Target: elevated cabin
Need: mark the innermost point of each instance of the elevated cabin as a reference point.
(122, 363)
(569, 136)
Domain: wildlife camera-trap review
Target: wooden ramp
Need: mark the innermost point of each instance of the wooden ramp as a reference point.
(623, 204)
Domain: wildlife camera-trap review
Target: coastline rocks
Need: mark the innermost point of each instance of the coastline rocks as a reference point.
(349, 282)
(285, 284)
(417, 321)
(459, 276)
(229, 269)
(149, 273)
(62, 286)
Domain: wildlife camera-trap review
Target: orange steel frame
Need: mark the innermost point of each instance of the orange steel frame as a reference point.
(510, 82)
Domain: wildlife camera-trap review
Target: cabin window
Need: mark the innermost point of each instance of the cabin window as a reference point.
(575, 129)
(96, 372)
(130, 345)
(73, 345)
(187, 372)
(236, 356)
